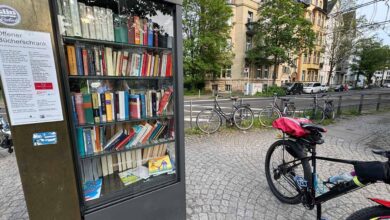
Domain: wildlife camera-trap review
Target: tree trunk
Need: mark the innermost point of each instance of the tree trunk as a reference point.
(357, 79)
(330, 74)
(276, 68)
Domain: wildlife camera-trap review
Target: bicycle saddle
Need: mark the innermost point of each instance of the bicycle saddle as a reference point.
(312, 127)
(385, 153)
(234, 98)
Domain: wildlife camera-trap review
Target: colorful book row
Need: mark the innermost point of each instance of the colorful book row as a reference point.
(87, 60)
(99, 139)
(120, 106)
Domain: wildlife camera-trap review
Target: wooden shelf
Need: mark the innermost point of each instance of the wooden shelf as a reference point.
(140, 146)
(125, 121)
(111, 44)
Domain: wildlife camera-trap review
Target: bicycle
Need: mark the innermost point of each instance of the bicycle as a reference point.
(300, 180)
(273, 112)
(210, 120)
(318, 113)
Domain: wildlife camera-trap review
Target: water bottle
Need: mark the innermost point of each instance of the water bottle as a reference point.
(319, 186)
(341, 178)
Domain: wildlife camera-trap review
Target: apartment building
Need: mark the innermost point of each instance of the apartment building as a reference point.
(305, 67)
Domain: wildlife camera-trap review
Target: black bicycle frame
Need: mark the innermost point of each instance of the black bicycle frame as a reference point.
(221, 113)
(336, 191)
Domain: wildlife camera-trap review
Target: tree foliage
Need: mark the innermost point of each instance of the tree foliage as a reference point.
(280, 33)
(206, 33)
(371, 57)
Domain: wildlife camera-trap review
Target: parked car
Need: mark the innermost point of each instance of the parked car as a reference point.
(324, 88)
(312, 88)
(294, 88)
(339, 88)
(386, 85)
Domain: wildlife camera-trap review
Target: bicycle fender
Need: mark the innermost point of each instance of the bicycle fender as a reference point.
(381, 202)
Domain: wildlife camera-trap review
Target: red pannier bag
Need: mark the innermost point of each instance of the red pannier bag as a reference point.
(292, 126)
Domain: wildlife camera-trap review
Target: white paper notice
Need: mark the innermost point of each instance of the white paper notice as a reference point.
(29, 77)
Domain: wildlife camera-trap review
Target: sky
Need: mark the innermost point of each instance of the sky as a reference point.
(377, 13)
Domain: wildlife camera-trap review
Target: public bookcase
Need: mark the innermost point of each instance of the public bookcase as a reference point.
(120, 77)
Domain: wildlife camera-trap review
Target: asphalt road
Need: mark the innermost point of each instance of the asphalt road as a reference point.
(351, 99)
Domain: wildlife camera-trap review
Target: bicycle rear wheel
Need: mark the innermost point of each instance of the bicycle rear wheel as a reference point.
(329, 111)
(269, 115)
(316, 115)
(208, 121)
(243, 118)
(281, 172)
(375, 212)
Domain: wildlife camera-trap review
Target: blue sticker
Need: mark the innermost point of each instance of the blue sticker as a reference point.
(9, 16)
(45, 138)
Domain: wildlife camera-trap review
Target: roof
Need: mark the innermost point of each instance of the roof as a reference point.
(331, 4)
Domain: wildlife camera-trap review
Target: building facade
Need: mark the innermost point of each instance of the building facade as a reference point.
(304, 69)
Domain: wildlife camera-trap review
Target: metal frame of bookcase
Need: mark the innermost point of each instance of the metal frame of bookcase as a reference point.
(138, 205)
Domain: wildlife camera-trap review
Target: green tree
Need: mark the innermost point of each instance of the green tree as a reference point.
(371, 56)
(281, 33)
(206, 33)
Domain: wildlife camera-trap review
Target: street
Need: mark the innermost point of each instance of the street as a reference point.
(349, 99)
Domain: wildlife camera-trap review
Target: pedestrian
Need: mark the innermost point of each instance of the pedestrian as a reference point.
(346, 87)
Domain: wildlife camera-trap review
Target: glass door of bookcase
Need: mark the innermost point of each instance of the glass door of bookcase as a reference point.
(120, 80)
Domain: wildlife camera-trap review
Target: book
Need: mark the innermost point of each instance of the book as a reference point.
(91, 61)
(103, 109)
(84, 52)
(109, 106)
(159, 165)
(97, 22)
(79, 108)
(104, 165)
(142, 105)
(109, 61)
(97, 59)
(119, 63)
(90, 22)
(98, 146)
(84, 20)
(131, 30)
(103, 14)
(134, 102)
(79, 60)
(125, 59)
(120, 29)
(72, 64)
(95, 107)
(67, 18)
(88, 110)
(115, 140)
(145, 31)
(164, 101)
(110, 164)
(88, 141)
(92, 189)
(80, 142)
(141, 31)
(110, 25)
(75, 16)
(74, 112)
(122, 144)
(137, 34)
(150, 33)
(127, 177)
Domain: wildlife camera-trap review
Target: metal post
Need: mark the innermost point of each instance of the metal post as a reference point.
(191, 114)
(361, 103)
(378, 104)
(339, 106)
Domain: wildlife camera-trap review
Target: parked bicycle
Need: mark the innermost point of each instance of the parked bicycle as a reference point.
(273, 112)
(210, 120)
(317, 113)
(293, 180)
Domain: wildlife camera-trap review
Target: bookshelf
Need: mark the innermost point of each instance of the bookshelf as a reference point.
(122, 91)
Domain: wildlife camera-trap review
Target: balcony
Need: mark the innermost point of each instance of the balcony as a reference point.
(250, 28)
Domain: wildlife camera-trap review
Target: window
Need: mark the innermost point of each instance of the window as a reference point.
(259, 73)
(303, 75)
(314, 57)
(228, 87)
(305, 58)
(227, 72)
(309, 58)
(248, 43)
(266, 70)
(250, 16)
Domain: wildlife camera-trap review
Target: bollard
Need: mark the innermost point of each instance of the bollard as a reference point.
(199, 93)
(378, 104)
(361, 103)
(191, 114)
(339, 106)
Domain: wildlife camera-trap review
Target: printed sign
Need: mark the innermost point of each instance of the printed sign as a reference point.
(9, 16)
(44, 138)
(29, 77)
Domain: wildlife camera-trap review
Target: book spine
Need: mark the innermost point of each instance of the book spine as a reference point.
(125, 61)
(146, 33)
(150, 33)
(98, 20)
(72, 63)
(83, 20)
(68, 17)
(141, 31)
(95, 105)
(87, 106)
(74, 112)
(79, 60)
(137, 36)
(109, 106)
(116, 104)
(80, 142)
(143, 106)
(85, 61)
(97, 61)
(74, 12)
(88, 143)
(131, 30)
(79, 108)
(126, 104)
(109, 60)
(91, 23)
(91, 62)
(110, 25)
(103, 110)
(103, 13)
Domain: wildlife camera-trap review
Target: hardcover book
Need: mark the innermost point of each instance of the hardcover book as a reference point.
(74, 13)
(88, 111)
(160, 165)
(72, 63)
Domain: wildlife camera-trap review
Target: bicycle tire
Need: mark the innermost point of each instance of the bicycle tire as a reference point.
(317, 116)
(268, 115)
(330, 112)
(208, 114)
(294, 151)
(237, 118)
(370, 213)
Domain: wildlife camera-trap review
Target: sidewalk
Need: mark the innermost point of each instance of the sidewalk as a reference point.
(225, 174)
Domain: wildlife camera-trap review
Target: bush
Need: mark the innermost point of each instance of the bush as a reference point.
(271, 91)
(194, 84)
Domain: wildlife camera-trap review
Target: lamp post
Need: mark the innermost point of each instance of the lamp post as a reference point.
(383, 76)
